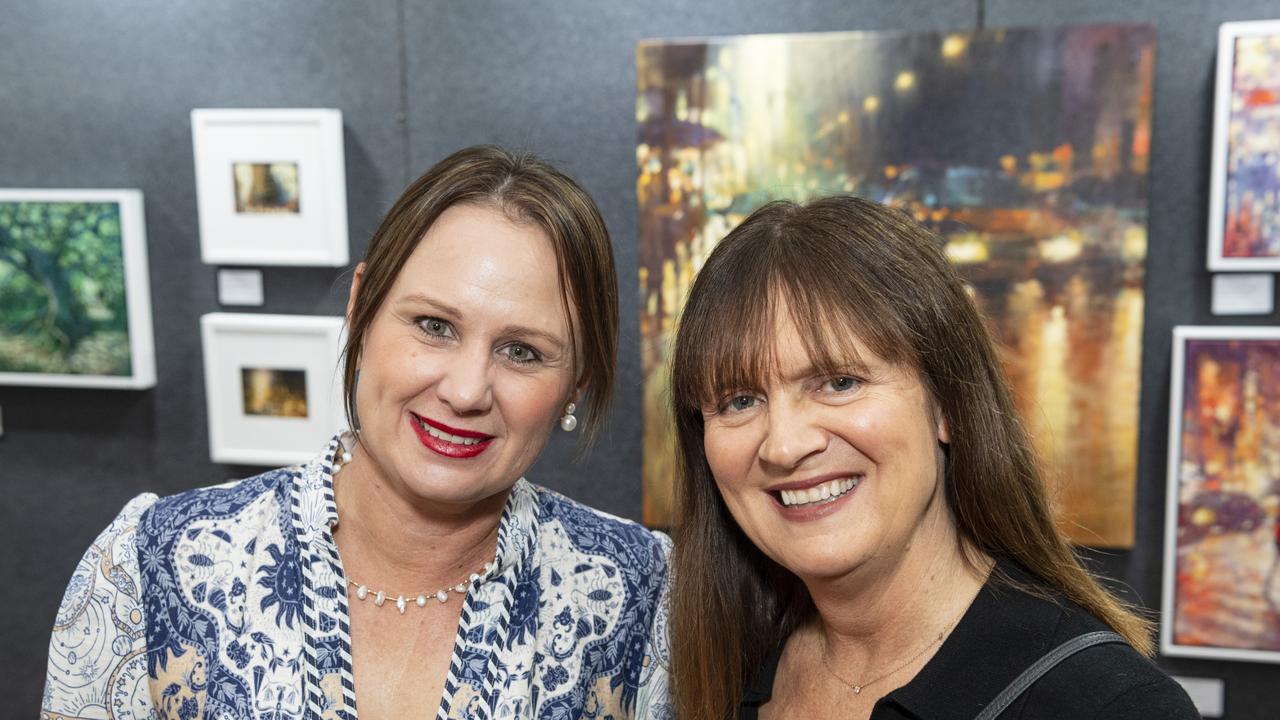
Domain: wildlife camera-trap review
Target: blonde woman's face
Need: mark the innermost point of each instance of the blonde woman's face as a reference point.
(830, 475)
(468, 364)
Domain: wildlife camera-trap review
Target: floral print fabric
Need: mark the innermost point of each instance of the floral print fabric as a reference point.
(230, 602)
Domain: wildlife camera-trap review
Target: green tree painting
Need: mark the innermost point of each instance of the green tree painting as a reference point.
(62, 289)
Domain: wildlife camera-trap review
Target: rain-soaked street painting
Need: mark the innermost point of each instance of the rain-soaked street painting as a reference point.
(1222, 553)
(1025, 151)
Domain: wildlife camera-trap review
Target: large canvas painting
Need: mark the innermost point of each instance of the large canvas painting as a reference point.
(75, 307)
(1222, 551)
(1026, 151)
(1244, 209)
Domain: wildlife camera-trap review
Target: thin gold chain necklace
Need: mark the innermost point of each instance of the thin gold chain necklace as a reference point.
(858, 687)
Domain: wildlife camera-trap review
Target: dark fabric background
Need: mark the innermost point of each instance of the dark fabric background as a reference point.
(97, 95)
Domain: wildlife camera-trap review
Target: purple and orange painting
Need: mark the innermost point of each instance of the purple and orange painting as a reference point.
(1223, 569)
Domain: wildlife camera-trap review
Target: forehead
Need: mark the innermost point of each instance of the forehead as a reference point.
(476, 259)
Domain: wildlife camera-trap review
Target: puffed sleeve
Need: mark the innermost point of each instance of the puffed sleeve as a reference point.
(97, 654)
(654, 699)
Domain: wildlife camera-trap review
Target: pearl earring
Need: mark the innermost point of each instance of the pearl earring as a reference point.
(568, 422)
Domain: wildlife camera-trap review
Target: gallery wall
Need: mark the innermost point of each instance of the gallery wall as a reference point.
(98, 95)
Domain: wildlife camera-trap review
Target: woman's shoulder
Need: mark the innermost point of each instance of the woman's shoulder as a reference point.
(568, 526)
(1109, 680)
(223, 501)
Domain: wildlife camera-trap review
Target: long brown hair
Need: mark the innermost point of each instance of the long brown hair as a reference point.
(528, 190)
(842, 265)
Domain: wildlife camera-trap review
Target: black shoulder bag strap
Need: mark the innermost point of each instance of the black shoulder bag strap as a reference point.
(1042, 666)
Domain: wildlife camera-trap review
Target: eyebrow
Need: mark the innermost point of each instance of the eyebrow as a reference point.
(506, 330)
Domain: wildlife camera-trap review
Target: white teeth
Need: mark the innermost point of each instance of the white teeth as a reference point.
(455, 439)
(826, 492)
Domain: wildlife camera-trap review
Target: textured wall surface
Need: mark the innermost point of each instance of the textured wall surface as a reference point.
(98, 95)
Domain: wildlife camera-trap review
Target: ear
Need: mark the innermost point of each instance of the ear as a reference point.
(355, 289)
(944, 430)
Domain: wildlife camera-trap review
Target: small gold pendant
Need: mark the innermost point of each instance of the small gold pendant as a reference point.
(857, 689)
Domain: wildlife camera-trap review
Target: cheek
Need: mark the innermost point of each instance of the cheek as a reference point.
(531, 404)
(730, 454)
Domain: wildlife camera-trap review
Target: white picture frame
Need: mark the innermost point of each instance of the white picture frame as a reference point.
(1220, 551)
(1229, 126)
(271, 186)
(97, 305)
(257, 369)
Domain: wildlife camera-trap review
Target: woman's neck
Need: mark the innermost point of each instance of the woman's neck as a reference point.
(388, 541)
(880, 612)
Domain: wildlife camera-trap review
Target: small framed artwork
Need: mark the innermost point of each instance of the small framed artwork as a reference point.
(1222, 524)
(271, 187)
(75, 294)
(272, 386)
(1244, 189)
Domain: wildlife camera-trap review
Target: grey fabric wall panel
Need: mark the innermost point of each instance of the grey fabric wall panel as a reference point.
(559, 78)
(99, 95)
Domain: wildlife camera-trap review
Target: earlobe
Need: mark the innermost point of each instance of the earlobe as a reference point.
(944, 430)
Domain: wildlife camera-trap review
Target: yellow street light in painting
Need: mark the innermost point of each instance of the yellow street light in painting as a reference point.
(905, 81)
(871, 104)
(966, 249)
(843, 117)
(954, 46)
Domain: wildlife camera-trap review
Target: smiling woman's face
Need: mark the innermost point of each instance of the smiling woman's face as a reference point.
(468, 363)
(826, 473)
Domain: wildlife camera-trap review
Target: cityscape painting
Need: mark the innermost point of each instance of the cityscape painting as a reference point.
(1025, 151)
(1222, 549)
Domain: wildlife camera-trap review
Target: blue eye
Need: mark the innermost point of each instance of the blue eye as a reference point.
(843, 383)
(740, 403)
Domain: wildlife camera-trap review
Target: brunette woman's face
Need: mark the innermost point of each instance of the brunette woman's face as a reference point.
(829, 474)
(468, 364)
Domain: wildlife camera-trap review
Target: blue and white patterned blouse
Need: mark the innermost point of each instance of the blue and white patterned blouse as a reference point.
(230, 602)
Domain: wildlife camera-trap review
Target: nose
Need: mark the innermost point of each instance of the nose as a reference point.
(465, 385)
(791, 437)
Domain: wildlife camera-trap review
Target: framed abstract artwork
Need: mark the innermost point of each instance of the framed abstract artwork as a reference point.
(271, 187)
(75, 293)
(1244, 188)
(1222, 523)
(272, 386)
(1025, 151)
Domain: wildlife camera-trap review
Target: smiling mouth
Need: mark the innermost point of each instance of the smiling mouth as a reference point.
(442, 435)
(449, 441)
(827, 492)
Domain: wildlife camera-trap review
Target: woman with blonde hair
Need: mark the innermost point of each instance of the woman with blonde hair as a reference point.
(863, 530)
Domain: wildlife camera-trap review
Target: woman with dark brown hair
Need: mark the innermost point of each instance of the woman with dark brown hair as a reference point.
(409, 568)
(863, 530)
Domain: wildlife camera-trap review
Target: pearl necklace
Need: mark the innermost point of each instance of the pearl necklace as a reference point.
(380, 597)
(402, 603)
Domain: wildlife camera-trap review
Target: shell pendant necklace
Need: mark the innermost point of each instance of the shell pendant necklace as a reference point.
(402, 602)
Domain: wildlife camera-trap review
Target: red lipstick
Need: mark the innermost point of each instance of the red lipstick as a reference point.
(445, 447)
